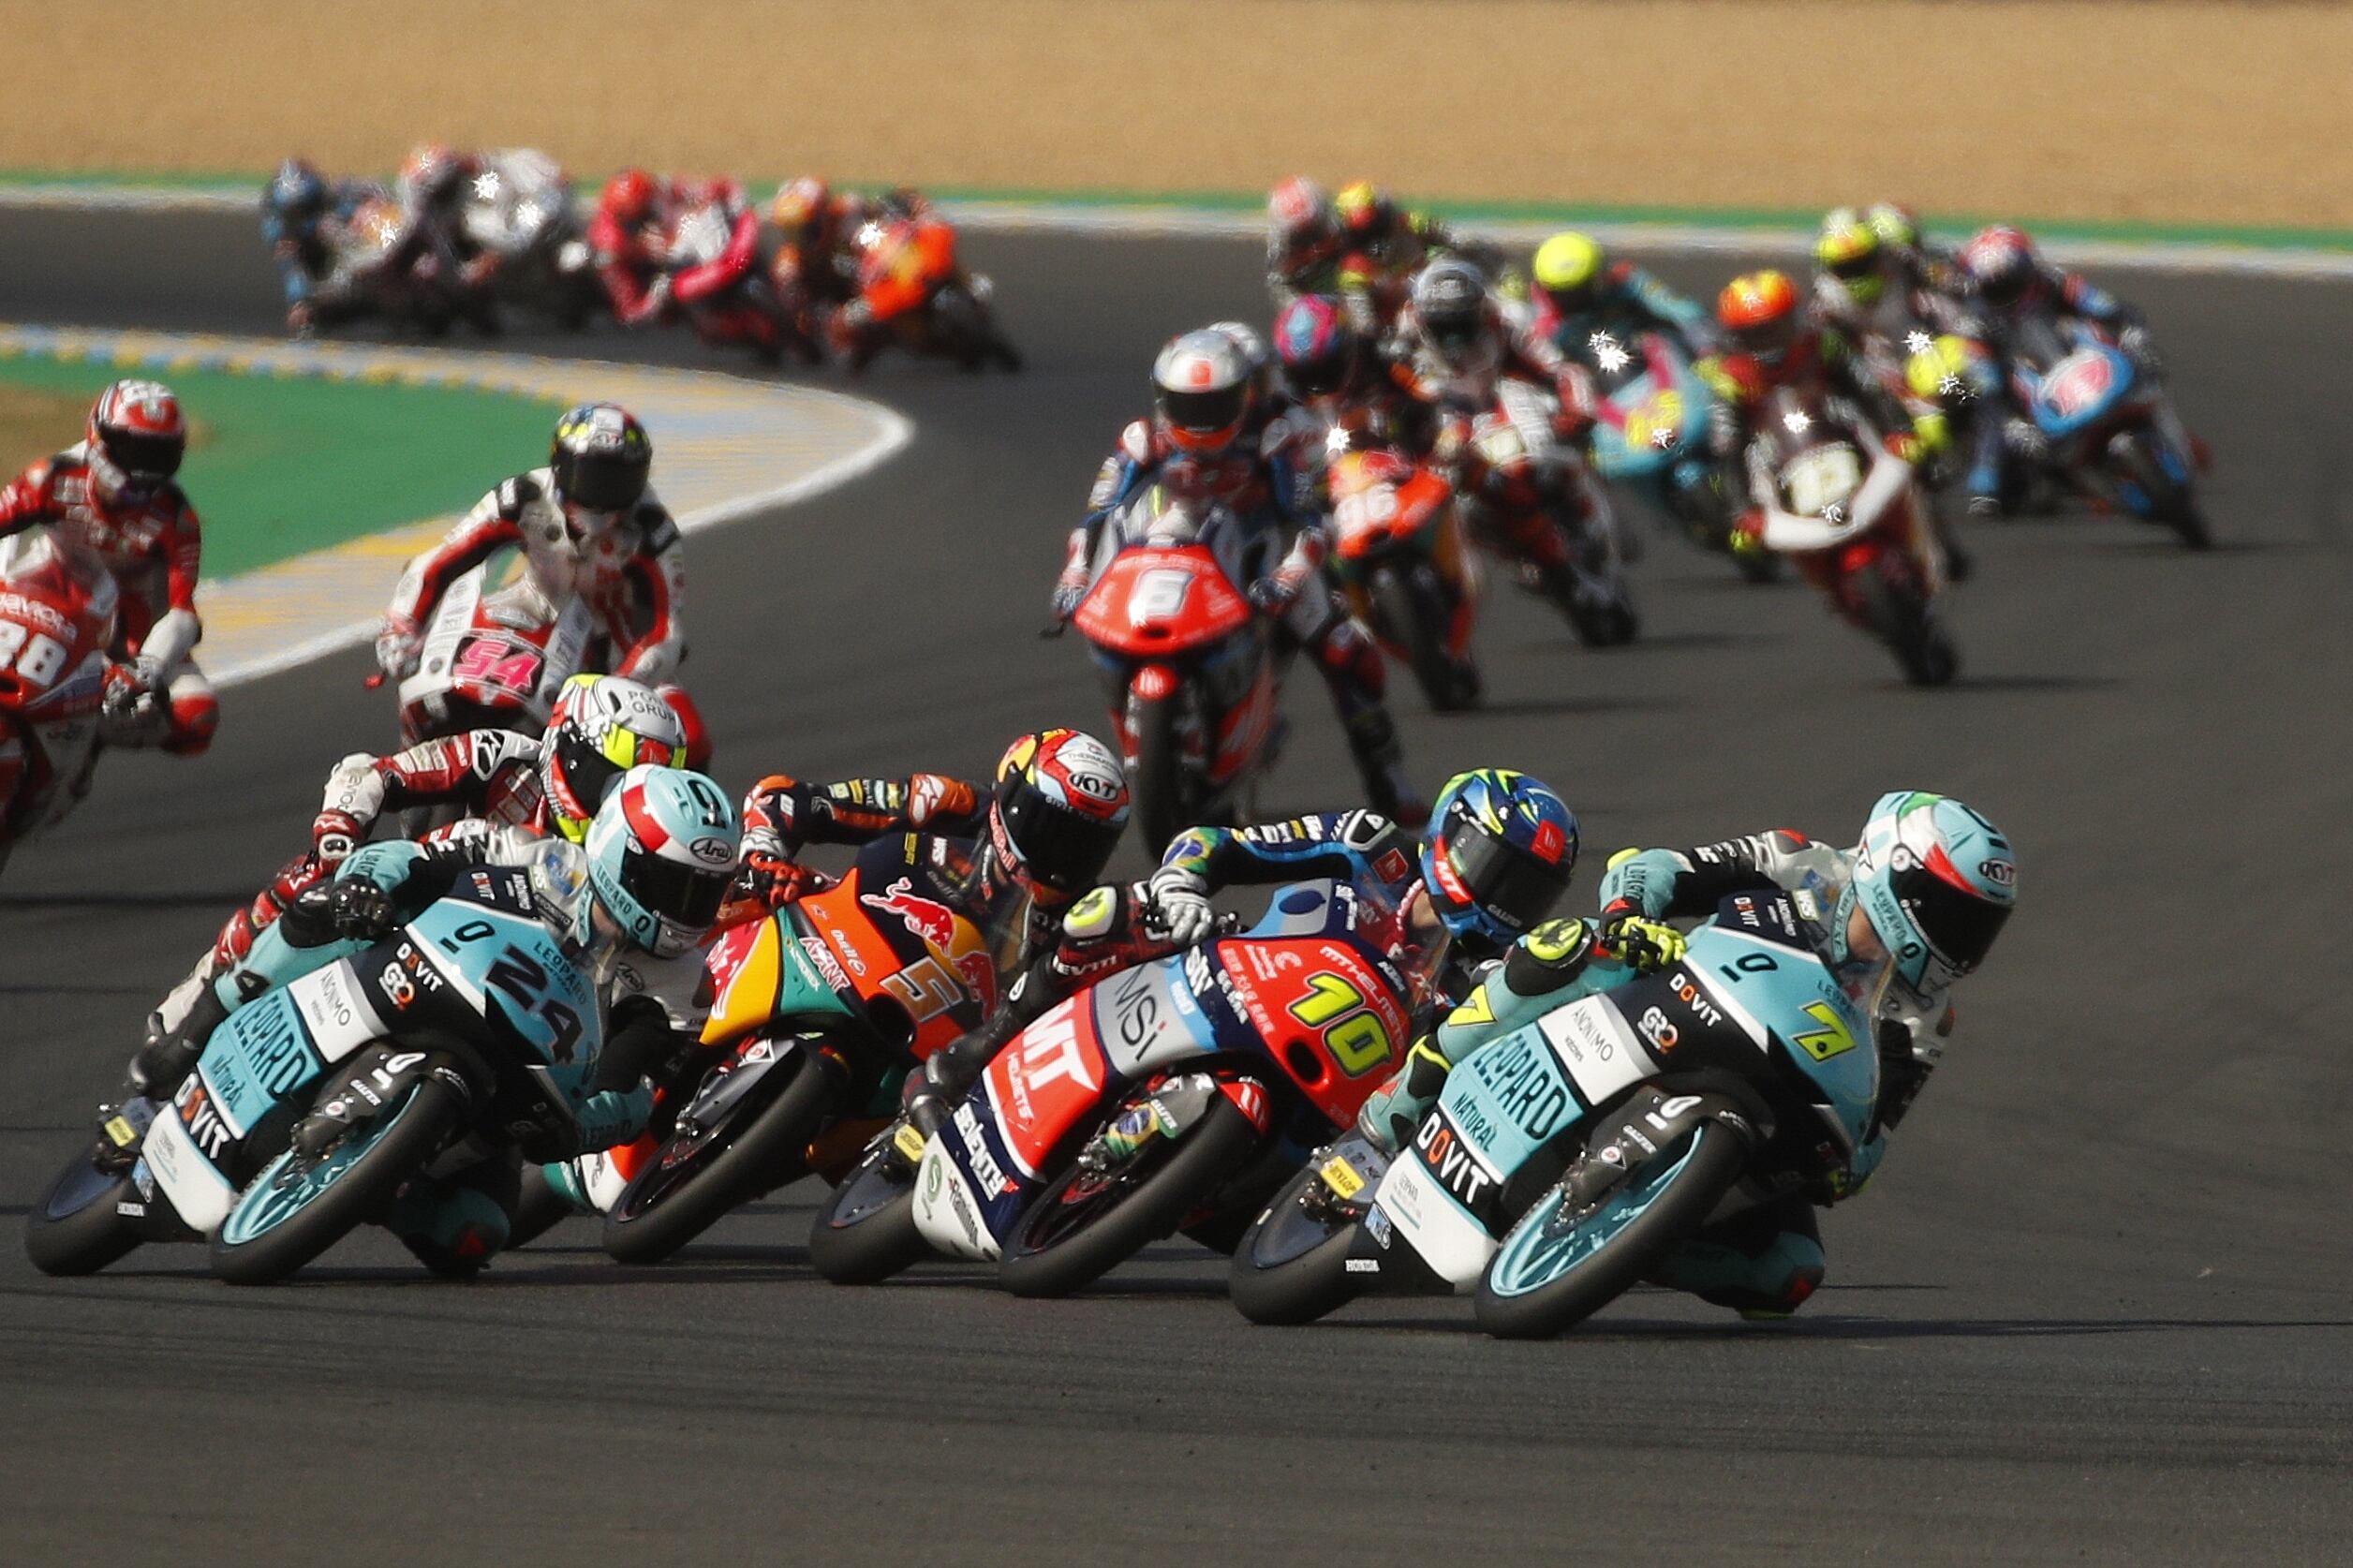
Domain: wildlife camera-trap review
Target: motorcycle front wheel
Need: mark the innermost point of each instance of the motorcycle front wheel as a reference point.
(1412, 615)
(1898, 613)
(73, 1228)
(864, 1231)
(1291, 1267)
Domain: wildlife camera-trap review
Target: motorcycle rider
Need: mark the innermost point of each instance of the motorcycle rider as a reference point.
(1900, 918)
(113, 494)
(1499, 855)
(1453, 351)
(423, 235)
(589, 525)
(2017, 292)
(1580, 293)
(631, 236)
(1775, 343)
(816, 265)
(302, 212)
(1197, 446)
(509, 785)
(632, 903)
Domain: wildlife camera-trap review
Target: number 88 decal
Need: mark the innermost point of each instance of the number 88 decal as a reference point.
(37, 657)
(1354, 1033)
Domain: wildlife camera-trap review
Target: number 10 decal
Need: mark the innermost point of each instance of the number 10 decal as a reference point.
(1354, 1035)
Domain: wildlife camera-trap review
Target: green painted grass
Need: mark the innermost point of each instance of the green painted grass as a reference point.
(287, 465)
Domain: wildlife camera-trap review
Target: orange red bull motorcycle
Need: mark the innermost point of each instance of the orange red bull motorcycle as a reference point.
(1177, 1094)
(818, 1011)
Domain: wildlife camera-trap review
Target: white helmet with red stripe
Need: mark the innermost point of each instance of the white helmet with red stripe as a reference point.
(661, 852)
(137, 437)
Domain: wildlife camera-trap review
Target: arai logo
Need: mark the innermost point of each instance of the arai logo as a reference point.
(712, 851)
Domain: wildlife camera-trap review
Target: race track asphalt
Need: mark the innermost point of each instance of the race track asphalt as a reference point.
(2094, 1310)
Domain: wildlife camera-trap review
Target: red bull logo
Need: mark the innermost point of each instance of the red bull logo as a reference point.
(935, 924)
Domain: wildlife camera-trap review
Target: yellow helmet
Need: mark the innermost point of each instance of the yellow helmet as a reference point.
(1849, 251)
(1945, 367)
(1567, 263)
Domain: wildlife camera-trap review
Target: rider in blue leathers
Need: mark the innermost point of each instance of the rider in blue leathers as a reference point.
(1500, 854)
(631, 914)
(1904, 914)
(300, 210)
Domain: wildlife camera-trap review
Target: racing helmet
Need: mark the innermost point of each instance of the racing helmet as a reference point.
(1319, 350)
(1760, 312)
(1896, 225)
(1302, 228)
(1849, 249)
(297, 190)
(431, 173)
(1501, 852)
(661, 852)
(1937, 882)
(801, 205)
(1057, 811)
(136, 438)
(628, 198)
(1449, 303)
(600, 455)
(1252, 344)
(2000, 262)
(1360, 206)
(1201, 391)
(1568, 268)
(601, 727)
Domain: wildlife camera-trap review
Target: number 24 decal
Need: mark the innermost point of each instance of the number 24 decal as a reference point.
(1354, 1035)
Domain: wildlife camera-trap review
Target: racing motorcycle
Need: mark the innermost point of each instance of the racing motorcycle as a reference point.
(1179, 1093)
(1191, 671)
(1564, 1163)
(2097, 412)
(818, 1010)
(1651, 435)
(494, 656)
(1511, 462)
(1402, 560)
(737, 301)
(912, 291)
(520, 210)
(57, 617)
(1829, 494)
(414, 286)
(466, 1034)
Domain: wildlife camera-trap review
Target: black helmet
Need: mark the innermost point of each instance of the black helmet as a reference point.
(602, 456)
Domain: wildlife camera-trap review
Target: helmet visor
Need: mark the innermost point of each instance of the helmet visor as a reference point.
(1322, 375)
(1058, 848)
(589, 767)
(1768, 340)
(152, 458)
(688, 895)
(602, 481)
(2005, 285)
(1856, 267)
(1509, 883)
(1203, 413)
(1958, 923)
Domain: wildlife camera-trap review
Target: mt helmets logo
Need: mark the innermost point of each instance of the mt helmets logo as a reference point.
(711, 852)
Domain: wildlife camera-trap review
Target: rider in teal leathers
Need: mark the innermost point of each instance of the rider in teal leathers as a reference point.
(631, 904)
(1904, 914)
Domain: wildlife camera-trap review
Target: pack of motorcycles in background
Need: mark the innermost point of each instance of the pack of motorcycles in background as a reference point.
(469, 237)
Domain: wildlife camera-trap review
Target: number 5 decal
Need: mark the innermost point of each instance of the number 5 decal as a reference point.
(1359, 1042)
(926, 989)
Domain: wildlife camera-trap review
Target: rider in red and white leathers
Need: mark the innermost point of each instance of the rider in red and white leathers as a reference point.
(631, 235)
(590, 525)
(113, 494)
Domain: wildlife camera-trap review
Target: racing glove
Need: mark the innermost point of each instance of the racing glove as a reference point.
(1643, 945)
(1179, 905)
(1070, 591)
(2134, 341)
(1277, 590)
(359, 908)
(396, 649)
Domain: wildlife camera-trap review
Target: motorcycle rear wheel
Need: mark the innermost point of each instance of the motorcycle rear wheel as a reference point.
(864, 1231)
(1062, 1244)
(1638, 1226)
(2169, 503)
(1163, 804)
(1291, 1267)
(72, 1228)
(1897, 615)
(666, 1206)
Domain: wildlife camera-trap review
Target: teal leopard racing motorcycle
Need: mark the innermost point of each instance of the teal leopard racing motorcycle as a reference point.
(456, 1039)
(1564, 1161)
